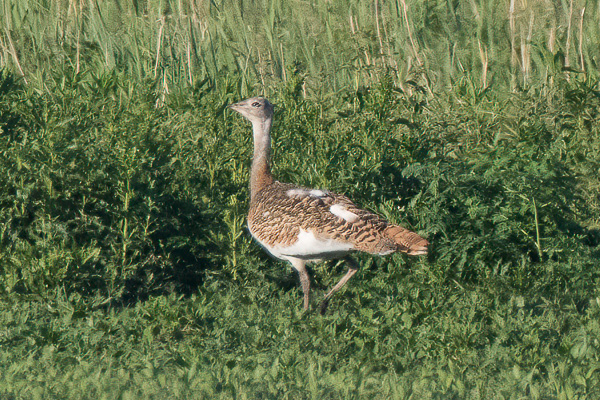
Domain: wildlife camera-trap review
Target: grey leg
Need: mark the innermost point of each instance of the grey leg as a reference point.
(352, 268)
(300, 266)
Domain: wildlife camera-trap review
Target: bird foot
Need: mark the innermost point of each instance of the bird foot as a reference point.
(323, 306)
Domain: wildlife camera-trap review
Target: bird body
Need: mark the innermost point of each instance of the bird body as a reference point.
(291, 221)
(300, 225)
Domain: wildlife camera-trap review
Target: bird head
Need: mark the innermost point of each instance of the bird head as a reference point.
(254, 109)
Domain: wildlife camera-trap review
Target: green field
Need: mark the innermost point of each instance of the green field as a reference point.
(126, 268)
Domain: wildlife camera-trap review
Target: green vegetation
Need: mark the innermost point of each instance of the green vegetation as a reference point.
(126, 270)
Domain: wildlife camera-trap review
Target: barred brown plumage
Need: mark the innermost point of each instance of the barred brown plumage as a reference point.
(300, 225)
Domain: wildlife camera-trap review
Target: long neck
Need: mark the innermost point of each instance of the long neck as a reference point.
(260, 175)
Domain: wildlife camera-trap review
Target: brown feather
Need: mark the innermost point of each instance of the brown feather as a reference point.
(276, 217)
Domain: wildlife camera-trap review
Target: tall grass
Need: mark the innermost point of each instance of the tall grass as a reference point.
(338, 45)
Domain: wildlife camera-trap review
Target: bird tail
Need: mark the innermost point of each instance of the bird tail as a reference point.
(408, 242)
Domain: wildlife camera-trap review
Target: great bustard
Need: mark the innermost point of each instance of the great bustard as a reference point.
(300, 225)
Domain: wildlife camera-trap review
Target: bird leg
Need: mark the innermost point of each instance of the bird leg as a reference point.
(352, 268)
(300, 266)
(305, 281)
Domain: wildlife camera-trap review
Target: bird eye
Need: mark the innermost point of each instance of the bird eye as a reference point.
(256, 104)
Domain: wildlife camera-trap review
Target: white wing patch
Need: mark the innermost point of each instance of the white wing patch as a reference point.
(299, 192)
(340, 211)
(296, 192)
(317, 193)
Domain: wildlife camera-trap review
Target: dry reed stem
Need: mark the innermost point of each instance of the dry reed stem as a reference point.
(568, 43)
(551, 43)
(378, 30)
(525, 50)
(283, 73)
(159, 44)
(390, 54)
(552, 39)
(15, 57)
(581, 60)
(483, 54)
(3, 51)
(160, 101)
(410, 36)
(78, 52)
(513, 51)
(188, 52)
(78, 7)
